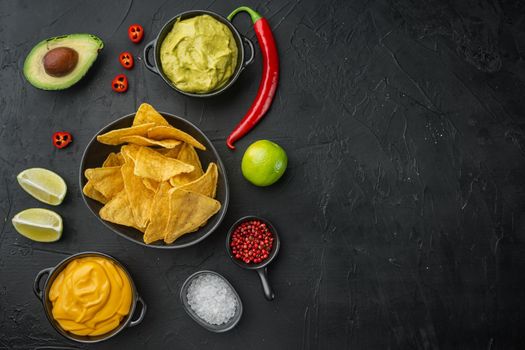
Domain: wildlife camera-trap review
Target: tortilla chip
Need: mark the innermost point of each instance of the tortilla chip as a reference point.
(118, 211)
(144, 141)
(171, 152)
(169, 132)
(129, 152)
(107, 181)
(188, 212)
(139, 196)
(153, 165)
(188, 155)
(150, 184)
(90, 192)
(147, 114)
(113, 159)
(206, 184)
(114, 136)
(159, 214)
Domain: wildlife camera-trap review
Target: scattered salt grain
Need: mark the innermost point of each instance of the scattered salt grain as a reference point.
(212, 299)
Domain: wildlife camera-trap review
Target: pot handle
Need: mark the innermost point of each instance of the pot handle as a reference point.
(36, 284)
(140, 301)
(268, 292)
(147, 49)
(252, 52)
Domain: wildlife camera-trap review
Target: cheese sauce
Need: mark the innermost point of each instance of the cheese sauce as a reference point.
(90, 296)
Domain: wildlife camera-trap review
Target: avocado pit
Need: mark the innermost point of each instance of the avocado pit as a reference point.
(60, 61)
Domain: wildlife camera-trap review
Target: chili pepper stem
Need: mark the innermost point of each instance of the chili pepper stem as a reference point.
(253, 14)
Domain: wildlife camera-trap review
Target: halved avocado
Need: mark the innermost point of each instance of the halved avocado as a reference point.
(59, 62)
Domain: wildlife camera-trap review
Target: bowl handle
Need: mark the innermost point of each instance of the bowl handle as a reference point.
(36, 285)
(147, 49)
(268, 292)
(133, 323)
(252, 52)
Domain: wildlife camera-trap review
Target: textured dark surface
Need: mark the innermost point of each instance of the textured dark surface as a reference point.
(401, 213)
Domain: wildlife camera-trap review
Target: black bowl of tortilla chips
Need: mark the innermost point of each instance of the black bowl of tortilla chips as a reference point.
(155, 179)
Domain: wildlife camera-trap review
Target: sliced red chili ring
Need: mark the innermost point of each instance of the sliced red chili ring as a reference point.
(126, 60)
(120, 83)
(135, 33)
(61, 139)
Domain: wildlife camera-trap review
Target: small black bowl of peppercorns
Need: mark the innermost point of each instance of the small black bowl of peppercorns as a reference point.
(252, 243)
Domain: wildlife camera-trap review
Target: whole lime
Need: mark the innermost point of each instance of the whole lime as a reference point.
(263, 163)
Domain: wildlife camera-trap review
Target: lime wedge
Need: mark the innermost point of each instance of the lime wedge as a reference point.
(43, 184)
(39, 224)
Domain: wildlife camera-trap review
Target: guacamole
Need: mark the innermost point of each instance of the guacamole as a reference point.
(199, 55)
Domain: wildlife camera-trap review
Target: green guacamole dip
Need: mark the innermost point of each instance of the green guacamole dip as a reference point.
(199, 55)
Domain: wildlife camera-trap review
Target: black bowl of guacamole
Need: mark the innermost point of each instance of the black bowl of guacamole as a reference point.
(218, 57)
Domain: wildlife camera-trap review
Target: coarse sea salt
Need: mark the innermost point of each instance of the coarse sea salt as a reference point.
(212, 299)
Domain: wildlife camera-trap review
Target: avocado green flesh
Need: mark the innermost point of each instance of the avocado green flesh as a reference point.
(86, 45)
(199, 54)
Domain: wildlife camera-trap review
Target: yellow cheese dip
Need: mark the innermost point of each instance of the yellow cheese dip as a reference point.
(90, 296)
(199, 55)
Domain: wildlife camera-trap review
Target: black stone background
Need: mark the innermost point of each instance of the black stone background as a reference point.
(401, 212)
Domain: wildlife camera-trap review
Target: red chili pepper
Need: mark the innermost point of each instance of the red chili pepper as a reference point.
(120, 83)
(126, 60)
(135, 33)
(61, 139)
(269, 80)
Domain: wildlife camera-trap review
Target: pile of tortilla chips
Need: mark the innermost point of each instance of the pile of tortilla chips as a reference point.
(156, 183)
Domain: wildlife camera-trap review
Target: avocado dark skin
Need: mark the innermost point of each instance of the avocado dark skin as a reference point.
(60, 61)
